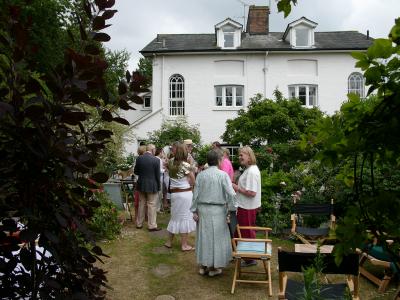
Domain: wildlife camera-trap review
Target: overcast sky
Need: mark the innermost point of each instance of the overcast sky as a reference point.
(137, 22)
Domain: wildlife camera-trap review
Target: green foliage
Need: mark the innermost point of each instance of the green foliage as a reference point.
(51, 142)
(363, 140)
(174, 130)
(117, 66)
(145, 67)
(105, 222)
(275, 200)
(285, 6)
(130, 159)
(270, 121)
(201, 152)
(312, 278)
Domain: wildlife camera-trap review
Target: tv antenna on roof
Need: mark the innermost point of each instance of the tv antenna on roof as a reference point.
(244, 12)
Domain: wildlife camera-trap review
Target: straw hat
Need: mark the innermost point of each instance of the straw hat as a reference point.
(188, 142)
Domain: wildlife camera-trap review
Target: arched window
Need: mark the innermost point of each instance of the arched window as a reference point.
(176, 95)
(356, 84)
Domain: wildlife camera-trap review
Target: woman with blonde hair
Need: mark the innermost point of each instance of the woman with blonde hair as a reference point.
(180, 187)
(248, 194)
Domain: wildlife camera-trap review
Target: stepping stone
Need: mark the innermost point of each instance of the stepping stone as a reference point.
(165, 297)
(162, 250)
(127, 232)
(163, 270)
(161, 234)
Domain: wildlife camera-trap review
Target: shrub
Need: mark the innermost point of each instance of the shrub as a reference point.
(105, 222)
(202, 154)
(276, 201)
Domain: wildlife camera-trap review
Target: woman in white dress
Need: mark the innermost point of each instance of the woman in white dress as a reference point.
(180, 186)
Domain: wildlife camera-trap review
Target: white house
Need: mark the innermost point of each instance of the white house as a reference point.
(209, 77)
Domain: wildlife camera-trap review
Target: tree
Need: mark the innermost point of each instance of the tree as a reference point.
(174, 130)
(145, 67)
(270, 121)
(49, 153)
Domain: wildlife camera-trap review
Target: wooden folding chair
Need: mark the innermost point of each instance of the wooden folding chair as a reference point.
(377, 256)
(257, 249)
(296, 262)
(310, 235)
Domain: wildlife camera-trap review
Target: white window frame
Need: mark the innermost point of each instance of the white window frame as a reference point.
(359, 81)
(176, 103)
(233, 150)
(224, 96)
(146, 106)
(297, 87)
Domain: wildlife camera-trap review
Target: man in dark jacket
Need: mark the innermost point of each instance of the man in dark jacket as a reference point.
(147, 167)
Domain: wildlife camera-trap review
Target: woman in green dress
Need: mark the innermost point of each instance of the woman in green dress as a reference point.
(213, 197)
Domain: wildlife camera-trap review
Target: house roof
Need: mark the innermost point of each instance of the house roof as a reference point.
(334, 40)
(229, 21)
(302, 20)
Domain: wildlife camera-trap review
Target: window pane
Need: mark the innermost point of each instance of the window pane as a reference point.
(356, 84)
(292, 92)
(312, 96)
(147, 102)
(239, 96)
(302, 94)
(176, 91)
(302, 37)
(228, 96)
(218, 96)
(228, 40)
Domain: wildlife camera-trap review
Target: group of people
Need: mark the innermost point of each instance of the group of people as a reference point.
(200, 200)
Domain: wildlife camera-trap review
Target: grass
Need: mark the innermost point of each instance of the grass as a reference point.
(137, 257)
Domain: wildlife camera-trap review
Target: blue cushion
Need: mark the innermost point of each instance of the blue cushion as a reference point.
(253, 247)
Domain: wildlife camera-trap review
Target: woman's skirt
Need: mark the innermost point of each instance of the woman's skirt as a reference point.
(181, 217)
(213, 242)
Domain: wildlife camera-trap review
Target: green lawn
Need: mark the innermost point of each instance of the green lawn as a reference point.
(139, 267)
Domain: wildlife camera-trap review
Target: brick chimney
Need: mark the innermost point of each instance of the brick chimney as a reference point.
(258, 20)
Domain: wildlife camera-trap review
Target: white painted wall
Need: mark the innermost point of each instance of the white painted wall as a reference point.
(200, 77)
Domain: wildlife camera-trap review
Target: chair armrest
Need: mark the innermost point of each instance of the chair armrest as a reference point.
(257, 228)
(252, 240)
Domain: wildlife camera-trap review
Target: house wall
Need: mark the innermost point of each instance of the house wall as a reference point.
(327, 70)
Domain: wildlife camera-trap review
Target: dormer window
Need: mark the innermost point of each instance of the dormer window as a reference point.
(228, 34)
(300, 33)
(302, 37)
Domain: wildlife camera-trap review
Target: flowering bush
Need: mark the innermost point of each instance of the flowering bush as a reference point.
(105, 221)
(124, 167)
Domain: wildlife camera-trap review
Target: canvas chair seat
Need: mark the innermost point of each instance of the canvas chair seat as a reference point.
(310, 235)
(315, 232)
(253, 247)
(294, 290)
(297, 261)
